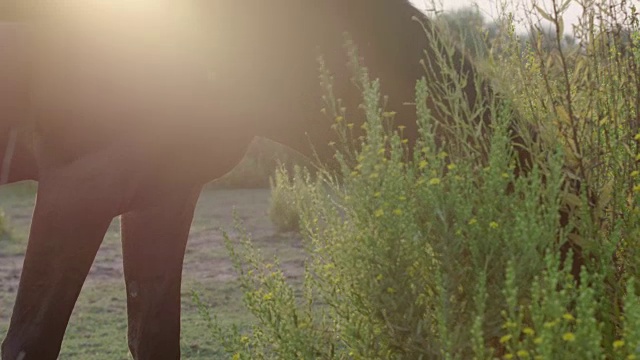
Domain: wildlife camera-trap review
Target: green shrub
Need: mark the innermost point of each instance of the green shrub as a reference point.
(285, 191)
(456, 256)
(4, 231)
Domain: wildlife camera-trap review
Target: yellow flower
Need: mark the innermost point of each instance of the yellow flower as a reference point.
(391, 290)
(339, 119)
(569, 337)
(405, 141)
(389, 114)
(493, 225)
(631, 357)
(529, 331)
(377, 194)
(509, 324)
(638, 157)
(505, 338)
(236, 356)
(550, 324)
(537, 341)
(451, 166)
(378, 213)
(350, 126)
(568, 317)
(508, 356)
(244, 339)
(423, 164)
(379, 277)
(522, 354)
(635, 173)
(473, 221)
(442, 155)
(618, 344)
(397, 211)
(637, 137)
(505, 175)
(636, 188)
(434, 181)
(268, 296)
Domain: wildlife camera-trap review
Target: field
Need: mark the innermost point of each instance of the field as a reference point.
(508, 228)
(97, 329)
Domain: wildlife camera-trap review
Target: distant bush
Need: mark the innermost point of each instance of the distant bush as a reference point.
(4, 231)
(258, 165)
(284, 210)
(454, 256)
(251, 173)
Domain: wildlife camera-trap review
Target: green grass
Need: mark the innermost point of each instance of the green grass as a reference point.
(17, 201)
(98, 326)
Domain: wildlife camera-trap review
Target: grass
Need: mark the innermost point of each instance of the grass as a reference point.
(97, 329)
(17, 201)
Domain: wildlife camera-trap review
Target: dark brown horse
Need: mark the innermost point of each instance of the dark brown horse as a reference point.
(129, 109)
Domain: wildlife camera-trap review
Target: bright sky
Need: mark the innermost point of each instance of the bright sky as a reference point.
(489, 8)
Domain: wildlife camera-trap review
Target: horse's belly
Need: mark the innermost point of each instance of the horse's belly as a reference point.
(88, 93)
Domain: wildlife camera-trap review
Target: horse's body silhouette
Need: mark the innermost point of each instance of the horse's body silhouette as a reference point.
(129, 113)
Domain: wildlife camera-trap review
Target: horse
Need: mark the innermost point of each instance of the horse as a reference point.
(127, 108)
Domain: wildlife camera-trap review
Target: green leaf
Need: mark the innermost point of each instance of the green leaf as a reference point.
(544, 14)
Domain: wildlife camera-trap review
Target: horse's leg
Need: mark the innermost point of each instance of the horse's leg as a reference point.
(154, 241)
(74, 207)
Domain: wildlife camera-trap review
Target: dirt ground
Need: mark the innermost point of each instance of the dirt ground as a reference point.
(207, 270)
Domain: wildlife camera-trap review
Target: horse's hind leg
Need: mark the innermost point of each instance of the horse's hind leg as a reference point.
(154, 240)
(71, 216)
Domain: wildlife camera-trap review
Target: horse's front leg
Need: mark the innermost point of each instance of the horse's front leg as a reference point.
(74, 206)
(154, 240)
